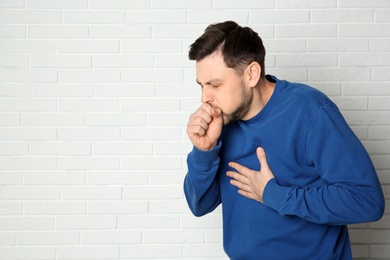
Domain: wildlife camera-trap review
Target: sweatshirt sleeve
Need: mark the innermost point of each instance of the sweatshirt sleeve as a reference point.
(201, 185)
(352, 193)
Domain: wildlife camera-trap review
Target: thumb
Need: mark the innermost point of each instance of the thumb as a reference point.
(216, 113)
(262, 158)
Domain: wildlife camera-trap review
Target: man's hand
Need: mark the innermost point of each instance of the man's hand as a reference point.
(251, 183)
(205, 127)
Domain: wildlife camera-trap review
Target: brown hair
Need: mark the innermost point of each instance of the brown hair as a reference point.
(239, 46)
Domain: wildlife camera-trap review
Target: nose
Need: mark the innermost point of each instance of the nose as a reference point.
(206, 95)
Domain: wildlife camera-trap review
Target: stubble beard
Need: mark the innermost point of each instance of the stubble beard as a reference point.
(242, 109)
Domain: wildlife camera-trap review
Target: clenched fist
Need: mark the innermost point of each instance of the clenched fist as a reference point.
(205, 127)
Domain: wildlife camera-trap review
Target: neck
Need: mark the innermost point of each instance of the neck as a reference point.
(262, 92)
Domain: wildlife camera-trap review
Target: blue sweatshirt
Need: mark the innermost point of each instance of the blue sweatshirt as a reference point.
(324, 180)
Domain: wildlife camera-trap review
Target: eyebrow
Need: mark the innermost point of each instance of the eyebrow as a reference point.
(210, 82)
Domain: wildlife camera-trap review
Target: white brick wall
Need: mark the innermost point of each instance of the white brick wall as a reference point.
(95, 96)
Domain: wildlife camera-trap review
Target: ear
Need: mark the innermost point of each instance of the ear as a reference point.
(254, 73)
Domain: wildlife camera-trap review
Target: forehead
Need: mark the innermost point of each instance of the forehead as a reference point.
(212, 67)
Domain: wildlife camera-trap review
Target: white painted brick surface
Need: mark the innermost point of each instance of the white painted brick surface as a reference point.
(94, 100)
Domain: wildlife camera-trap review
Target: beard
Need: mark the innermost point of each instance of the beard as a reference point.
(242, 109)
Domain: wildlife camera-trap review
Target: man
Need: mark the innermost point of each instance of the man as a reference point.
(279, 156)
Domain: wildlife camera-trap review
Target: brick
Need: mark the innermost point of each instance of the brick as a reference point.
(362, 3)
(14, 61)
(351, 103)
(152, 163)
(120, 4)
(111, 237)
(117, 178)
(365, 59)
(166, 177)
(379, 103)
(94, 17)
(26, 223)
(149, 46)
(8, 178)
(365, 89)
(172, 148)
(88, 46)
(26, 252)
(52, 119)
(173, 206)
(8, 239)
(284, 45)
(54, 178)
(27, 46)
(245, 4)
(303, 4)
(306, 31)
(30, 16)
(111, 119)
(152, 251)
(364, 30)
(89, 134)
(153, 192)
(55, 208)
(147, 104)
(382, 15)
(306, 60)
(125, 90)
(12, 4)
(339, 74)
(89, 76)
(148, 222)
(380, 74)
(30, 193)
(49, 238)
(343, 16)
(178, 90)
(88, 252)
(380, 251)
(338, 45)
(152, 75)
(120, 32)
(28, 75)
(123, 61)
(63, 90)
(167, 119)
(117, 207)
(11, 208)
(123, 148)
(151, 134)
(89, 163)
(12, 31)
(28, 134)
(89, 105)
(173, 61)
(86, 222)
(380, 44)
(173, 236)
(279, 16)
(14, 149)
(203, 250)
(61, 61)
(167, 31)
(208, 17)
(58, 31)
(92, 193)
(156, 17)
(58, 4)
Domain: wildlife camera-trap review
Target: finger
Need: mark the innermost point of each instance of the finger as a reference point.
(239, 168)
(246, 194)
(262, 158)
(237, 176)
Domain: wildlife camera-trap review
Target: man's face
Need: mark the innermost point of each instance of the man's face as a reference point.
(223, 88)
